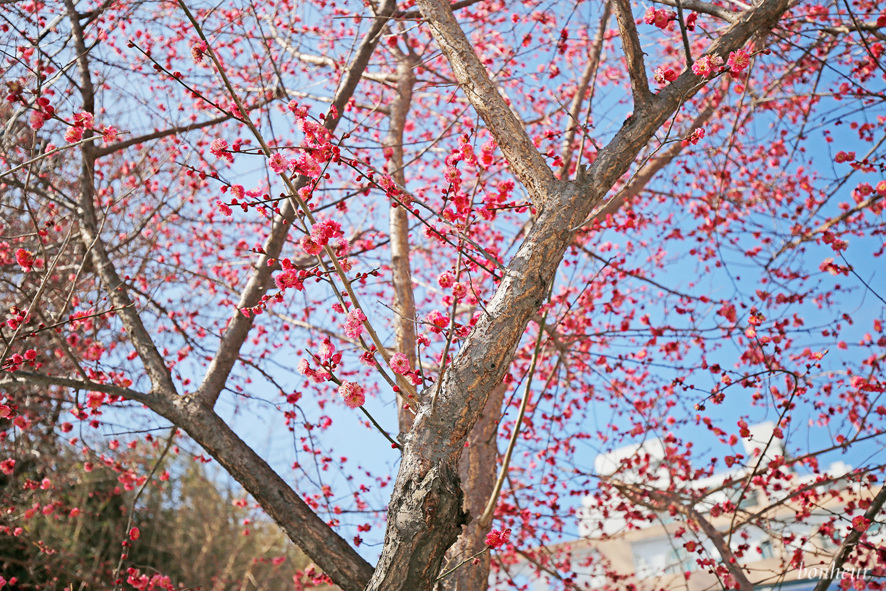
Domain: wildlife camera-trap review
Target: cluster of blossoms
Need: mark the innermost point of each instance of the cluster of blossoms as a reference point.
(352, 393)
(315, 134)
(323, 231)
(844, 156)
(833, 268)
(493, 201)
(43, 111)
(198, 50)
(326, 350)
(707, 65)
(27, 261)
(317, 150)
(487, 154)
(17, 317)
(278, 162)
(321, 234)
(367, 358)
(464, 152)
(219, 149)
(16, 361)
(659, 17)
(82, 122)
(289, 277)
(7, 466)
(238, 193)
(694, 137)
(143, 582)
(834, 242)
(665, 75)
(755, 319)
(456, 289)
(399, 363)
(438, 320)
(316, 376)
(497, 539)
(354, 323)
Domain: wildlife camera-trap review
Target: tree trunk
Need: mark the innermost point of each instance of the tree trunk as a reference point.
(477, 473)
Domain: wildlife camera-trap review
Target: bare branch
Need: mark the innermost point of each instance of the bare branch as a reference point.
(304, 527)
(587, 76)
(647, 172)
(155, 365)
(116, 147)
(325, 61)
(657, 501)
(325, 547)
(842, 29)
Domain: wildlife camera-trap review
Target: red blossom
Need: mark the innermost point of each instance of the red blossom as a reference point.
(497, 539)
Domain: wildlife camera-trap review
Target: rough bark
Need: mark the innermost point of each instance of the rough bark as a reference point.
(477, 473)
(630, 41)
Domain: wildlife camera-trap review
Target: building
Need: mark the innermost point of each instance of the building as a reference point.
(776, 537)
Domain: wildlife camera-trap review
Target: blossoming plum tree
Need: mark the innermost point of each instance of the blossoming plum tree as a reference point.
(572, 225)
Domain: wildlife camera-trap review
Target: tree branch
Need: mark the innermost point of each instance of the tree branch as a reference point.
(238, 328)
(704, 8)
(404, 300)
(26, 377)
(850, 542)
(304, 527)
(309, 532)
(410, 14)
(116, 147)
(633, 53)
(518, 149)
(587, 76)
(652, 167)
(657, 501)
(155, 365)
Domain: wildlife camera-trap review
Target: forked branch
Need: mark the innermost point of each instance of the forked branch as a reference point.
(522, 156)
